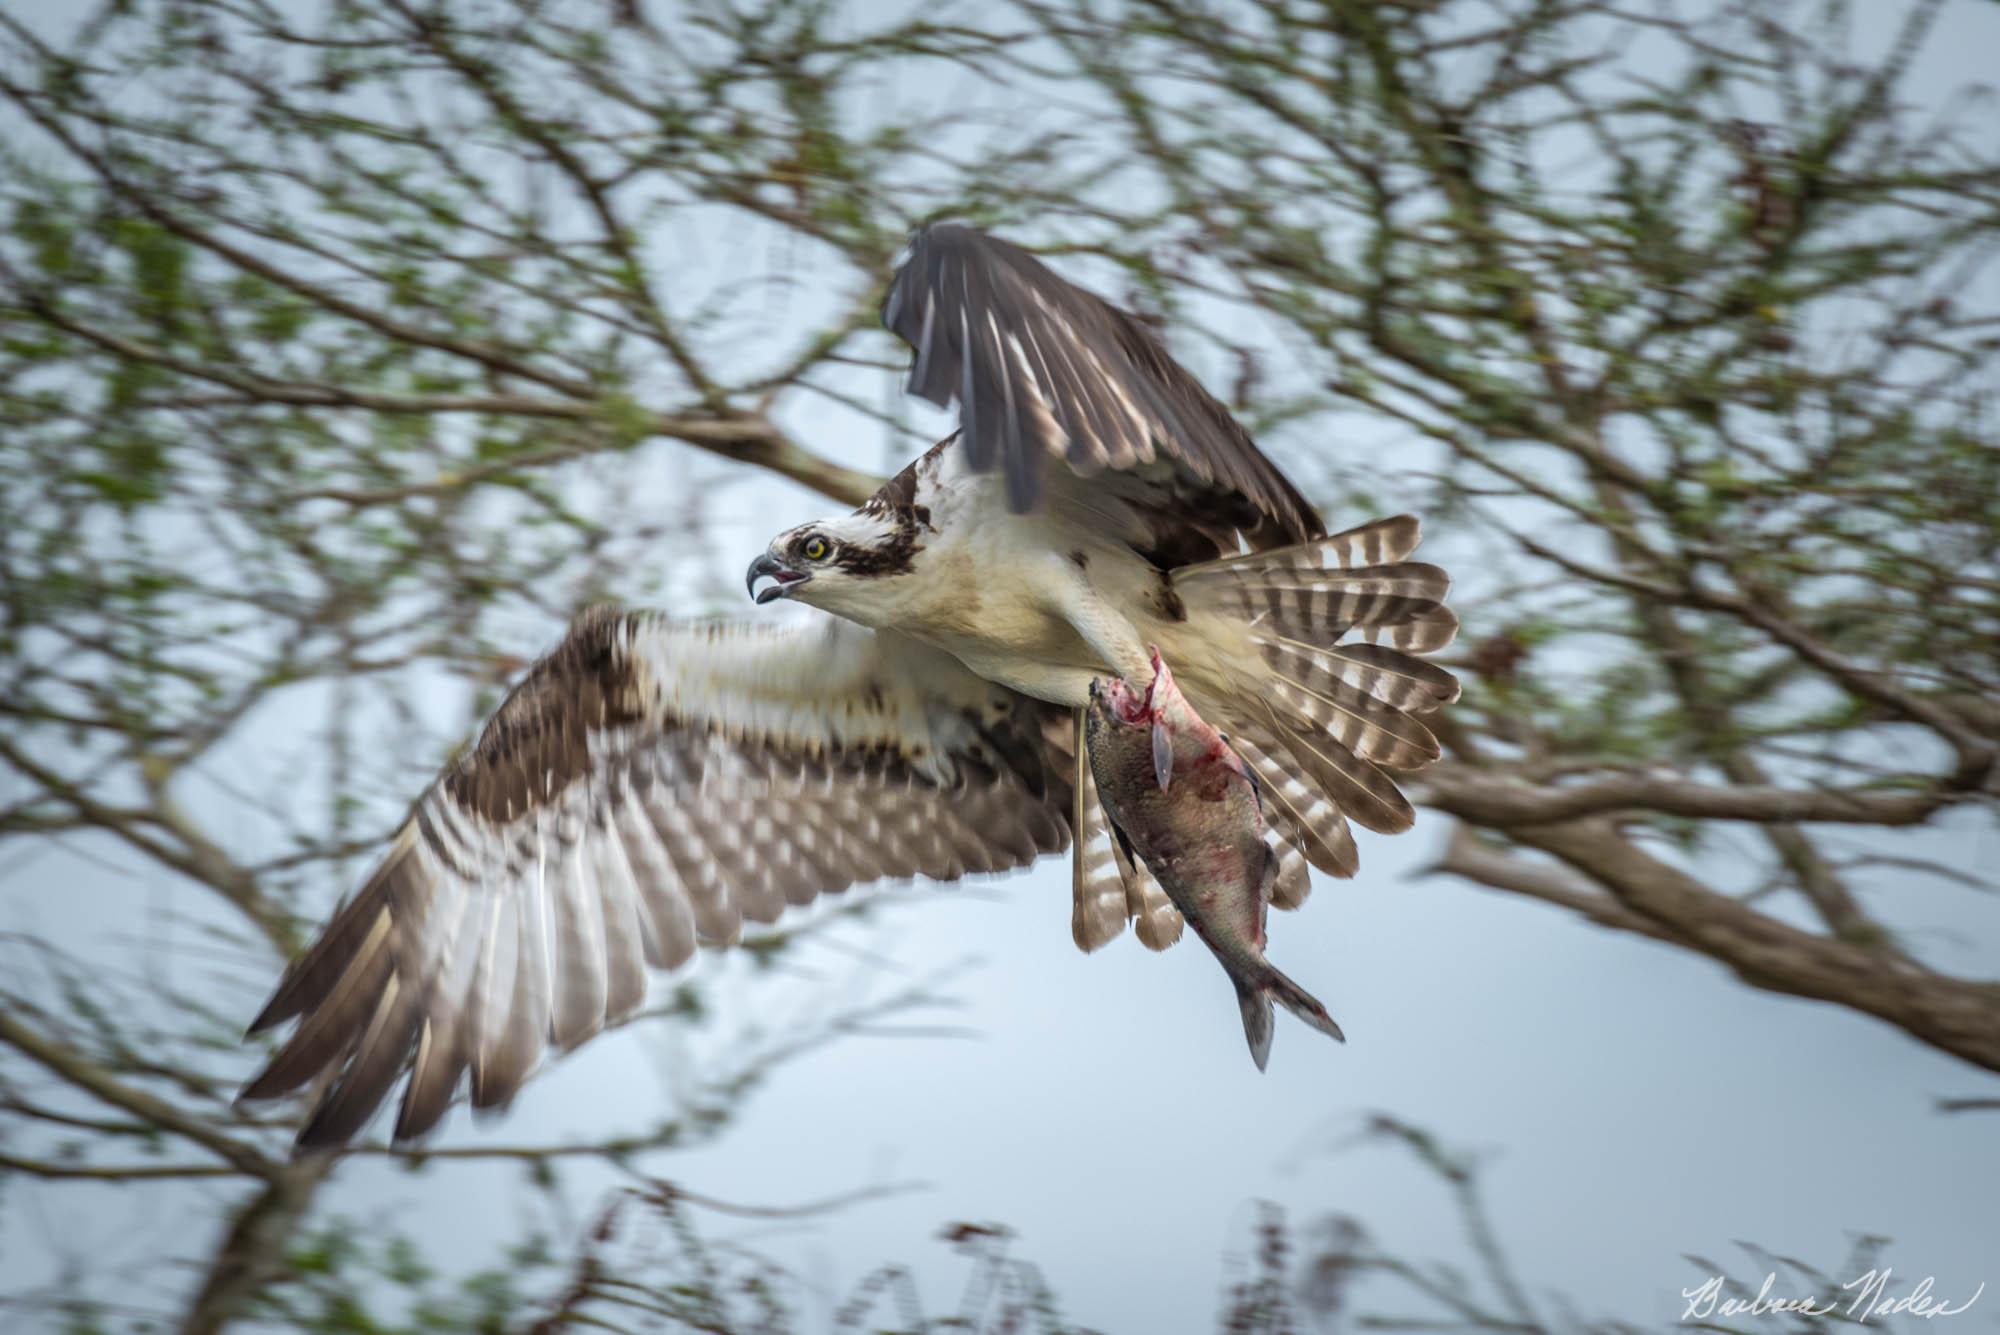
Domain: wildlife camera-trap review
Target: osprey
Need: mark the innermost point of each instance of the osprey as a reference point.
(652, 783)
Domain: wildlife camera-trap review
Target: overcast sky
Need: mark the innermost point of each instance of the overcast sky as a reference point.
(1634, 1102)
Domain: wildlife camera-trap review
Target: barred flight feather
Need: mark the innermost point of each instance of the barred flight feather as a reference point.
(1303, 816)
(1360, 790)
(648, 787)
(1155, 920)
(1108, 888)
(1332, 710)
(1424, 633)
(1291, 885)
(1321, 606)
(1364, 725)
(1379, 542)
(1388, 675)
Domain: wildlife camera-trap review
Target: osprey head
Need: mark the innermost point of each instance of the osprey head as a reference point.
(835, 564)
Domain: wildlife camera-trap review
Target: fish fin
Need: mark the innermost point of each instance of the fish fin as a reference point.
(1299, 1002)
(1257, 986)
(1163, 754)
(1267, 888)
(1256, 1004)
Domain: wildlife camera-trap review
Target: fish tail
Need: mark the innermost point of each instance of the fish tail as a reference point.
(1260, 984)
(1256, 1004)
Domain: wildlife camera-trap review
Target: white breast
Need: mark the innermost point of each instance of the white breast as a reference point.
(1022, 599)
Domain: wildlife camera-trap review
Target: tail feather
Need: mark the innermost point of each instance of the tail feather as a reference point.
(1097, 895)
(1395, 602)
(1364, 725)
(1377, 542)
(1108, 886)
(1418, 581)
(1424, 633)
(1396, 679)
(1356, 786)
(1315, 592)
(1289, 883)
(1303, 817)
(1260, 985)
(1337, 623)
(1154, 918)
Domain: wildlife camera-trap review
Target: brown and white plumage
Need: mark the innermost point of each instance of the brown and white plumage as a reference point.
(650, 786)
(653, 784)
(1043, 370)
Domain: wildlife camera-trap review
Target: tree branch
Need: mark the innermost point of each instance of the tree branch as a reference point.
(93, 1080)
(1960, 1017)
(1490, 800)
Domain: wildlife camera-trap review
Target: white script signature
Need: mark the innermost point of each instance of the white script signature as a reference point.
(1871, 1298)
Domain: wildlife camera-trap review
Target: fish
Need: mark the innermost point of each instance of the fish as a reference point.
(1179, 798)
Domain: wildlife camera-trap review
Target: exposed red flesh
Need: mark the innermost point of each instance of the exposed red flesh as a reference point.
(1142, 709)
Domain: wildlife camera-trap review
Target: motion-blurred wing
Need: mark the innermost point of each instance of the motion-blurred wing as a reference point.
(648, 787)
(1041, 367)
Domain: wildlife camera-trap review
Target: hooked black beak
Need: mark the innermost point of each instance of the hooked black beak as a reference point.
(784, 575)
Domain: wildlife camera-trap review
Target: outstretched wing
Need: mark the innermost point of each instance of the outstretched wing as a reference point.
(1041, 367)
(649, 786)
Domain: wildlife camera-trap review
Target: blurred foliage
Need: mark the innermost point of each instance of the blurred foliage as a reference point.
(332, 339)
(648, 1262)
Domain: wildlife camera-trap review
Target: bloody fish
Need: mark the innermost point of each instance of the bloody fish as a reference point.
(1184, 802)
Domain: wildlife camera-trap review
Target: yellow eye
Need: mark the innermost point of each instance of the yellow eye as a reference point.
(816, 549)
